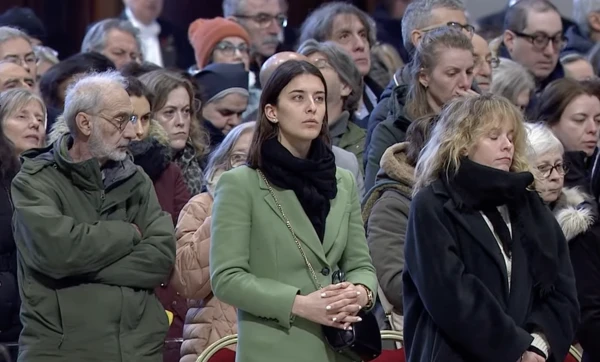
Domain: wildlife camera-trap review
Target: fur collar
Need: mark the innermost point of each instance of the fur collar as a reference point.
(395, 173)
(575, 212)
(393, 164)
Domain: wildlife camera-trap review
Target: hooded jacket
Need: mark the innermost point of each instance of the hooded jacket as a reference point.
(87, 273)
(385, 212)
(387, 133)
(577, 42)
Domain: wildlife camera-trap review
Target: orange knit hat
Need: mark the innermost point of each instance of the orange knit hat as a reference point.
(205, 34)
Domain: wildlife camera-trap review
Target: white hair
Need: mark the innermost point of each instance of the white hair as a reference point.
(95, 37)
(8, 33)
(581, 10)
(87, 93)
(541, 141)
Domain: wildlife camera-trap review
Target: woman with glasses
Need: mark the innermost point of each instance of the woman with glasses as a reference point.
(208, 319)
(487, 275)
(577, 215)
(571, 109)
(175, 110)
(221, 40)
(442, 69)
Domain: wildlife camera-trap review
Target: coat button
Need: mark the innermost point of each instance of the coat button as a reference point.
(174, 303)
(162, 285)
(325, 271)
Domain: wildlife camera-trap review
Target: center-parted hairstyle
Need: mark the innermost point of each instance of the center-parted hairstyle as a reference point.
(426, 58)
(557, 96)
(462, 122)
(280, 78)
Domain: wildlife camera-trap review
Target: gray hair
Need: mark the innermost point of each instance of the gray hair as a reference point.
(319, 24)
(13, 100)
(541, 141)
(236, 7)
(343, 65)
(219, 160)
(95, 38)
(572, 58)
(581, 9)
(418, 16)
(8, 33)
(46, 54)
(86, 95)
(511, 79)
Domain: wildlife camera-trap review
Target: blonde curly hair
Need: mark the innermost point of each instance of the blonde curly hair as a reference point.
(462, 122)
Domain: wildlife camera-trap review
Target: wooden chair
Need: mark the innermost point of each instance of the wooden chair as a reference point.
(217, 352)
(392, 355)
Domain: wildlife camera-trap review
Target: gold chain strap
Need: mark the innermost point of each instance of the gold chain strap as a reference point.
(289, 226)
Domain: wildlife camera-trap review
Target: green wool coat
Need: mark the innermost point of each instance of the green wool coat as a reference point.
(86, 275)
(256, 266)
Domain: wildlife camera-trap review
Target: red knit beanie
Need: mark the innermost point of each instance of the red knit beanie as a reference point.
(205, 34)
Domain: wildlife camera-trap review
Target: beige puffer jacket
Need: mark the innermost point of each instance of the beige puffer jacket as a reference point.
(208, 319)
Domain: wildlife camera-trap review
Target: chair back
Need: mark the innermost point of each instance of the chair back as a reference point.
(217, 352)
(392, 355)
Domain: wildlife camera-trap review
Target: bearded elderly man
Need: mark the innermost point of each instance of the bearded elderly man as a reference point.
(93, 242)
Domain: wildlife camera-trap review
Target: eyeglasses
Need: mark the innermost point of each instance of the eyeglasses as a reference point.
(540, 41)
(468, 29)
(237, 159)
(29, 59)
(229, 49)
(265, 20)
(493, 62)
(120, 122)
(321, 64)
(546, 170)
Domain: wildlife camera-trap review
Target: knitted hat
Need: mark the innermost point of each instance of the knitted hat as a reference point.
(25, 20)
(205, 34)
(220, 79)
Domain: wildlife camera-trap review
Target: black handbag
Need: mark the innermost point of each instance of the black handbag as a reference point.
(363, 341)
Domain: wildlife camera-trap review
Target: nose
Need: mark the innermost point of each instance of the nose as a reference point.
(178, 119)
(486, 69)
(464, 81)
(549, 49)
(129, 132)
(592, 127)
(274, 27)
(139, 130)
(554, 175)
(360, 43)
(35, 123)
(235, 120)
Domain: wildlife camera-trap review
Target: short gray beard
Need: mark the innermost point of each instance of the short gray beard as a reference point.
(100, 150)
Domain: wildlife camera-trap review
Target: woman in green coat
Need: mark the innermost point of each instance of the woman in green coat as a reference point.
(290, 197)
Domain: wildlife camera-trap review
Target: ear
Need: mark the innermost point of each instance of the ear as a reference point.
(271, 113)
(345, 89)
(424, 78)
(83, 123)
(508, 38)
(415, 37)
(593, 19)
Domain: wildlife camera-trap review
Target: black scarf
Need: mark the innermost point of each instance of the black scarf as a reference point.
(484, 188)
(312, 179)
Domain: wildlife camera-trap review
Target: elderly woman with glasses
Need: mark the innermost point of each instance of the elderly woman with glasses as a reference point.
(577, 215)
(208, 319)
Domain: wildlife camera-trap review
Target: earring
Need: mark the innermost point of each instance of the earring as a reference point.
(274, 121)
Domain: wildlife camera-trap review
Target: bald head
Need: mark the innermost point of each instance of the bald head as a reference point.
(275, 61)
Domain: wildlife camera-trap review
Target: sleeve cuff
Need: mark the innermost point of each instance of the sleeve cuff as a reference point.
(540, 344)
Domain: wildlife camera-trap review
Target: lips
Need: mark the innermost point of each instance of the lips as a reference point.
(33, 138)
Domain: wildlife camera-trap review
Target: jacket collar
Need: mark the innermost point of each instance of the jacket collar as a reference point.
(300, 223)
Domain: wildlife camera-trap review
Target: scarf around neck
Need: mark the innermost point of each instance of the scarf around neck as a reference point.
(482, 188)
(312, 179)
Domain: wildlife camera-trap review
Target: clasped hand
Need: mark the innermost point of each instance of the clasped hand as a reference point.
(336, 305)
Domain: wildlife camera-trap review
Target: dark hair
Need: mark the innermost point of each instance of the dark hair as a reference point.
(135, 69)
(559, 94)
(9, 163)
(516, 15)
(280, 78)
(417, 136)
(135, 88)
(79, 63)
